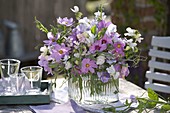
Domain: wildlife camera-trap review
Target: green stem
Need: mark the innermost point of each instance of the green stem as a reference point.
(156, 101)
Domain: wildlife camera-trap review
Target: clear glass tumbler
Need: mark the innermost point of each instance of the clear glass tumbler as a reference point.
(8, 67)
(18, 83)
(33, 75)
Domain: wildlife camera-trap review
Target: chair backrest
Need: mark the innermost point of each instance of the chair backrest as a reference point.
(159, 65)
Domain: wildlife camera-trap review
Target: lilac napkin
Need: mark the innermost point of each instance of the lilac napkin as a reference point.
(68, 107)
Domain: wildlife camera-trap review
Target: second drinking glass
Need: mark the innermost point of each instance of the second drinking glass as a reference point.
(33, 75)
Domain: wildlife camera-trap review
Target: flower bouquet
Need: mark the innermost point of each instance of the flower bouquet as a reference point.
(91, 54)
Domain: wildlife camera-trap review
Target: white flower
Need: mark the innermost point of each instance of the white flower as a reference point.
(100, 60)
(131, 32)
(66, 58)
(139, 39)
(85, 20)
(68, 65)
(131, 44)
(99, 15)
(77, 55)
(111, 29)
(75, 10)
(90, 39)
(50, 35)
(44, 50)
(111, 70)
(76, 46)
(116, 76)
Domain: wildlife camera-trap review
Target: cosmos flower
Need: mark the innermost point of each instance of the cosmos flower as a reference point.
(88, 65)
(65, 21)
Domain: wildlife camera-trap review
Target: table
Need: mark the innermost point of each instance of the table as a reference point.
(126, 88)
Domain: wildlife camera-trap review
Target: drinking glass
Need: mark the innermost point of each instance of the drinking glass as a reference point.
(33, 75)
(7, 68)
(17, 83)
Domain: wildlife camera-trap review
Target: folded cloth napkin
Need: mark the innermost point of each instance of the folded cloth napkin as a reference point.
(69, 107)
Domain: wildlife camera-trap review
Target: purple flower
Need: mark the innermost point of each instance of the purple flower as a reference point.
(88, 65)
(52, 40)
(59, 51)
(106, 40)
(119, 46)
(76, 71)
(103, 24)
(133, 98)
(97, 46)
(44, 63)
(119, 54)
(124, 71)
(117, 67)
(65, 21)
(104, 76)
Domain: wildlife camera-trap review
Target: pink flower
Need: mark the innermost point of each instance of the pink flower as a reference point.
(97, 46)
(125, 71)
(88, 65)
(119, 46)
(59, 52)
(106, 40)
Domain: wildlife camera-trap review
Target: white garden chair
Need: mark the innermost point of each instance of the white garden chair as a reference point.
(159, 65)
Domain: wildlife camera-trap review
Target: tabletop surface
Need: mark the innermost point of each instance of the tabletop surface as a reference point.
(125, 87)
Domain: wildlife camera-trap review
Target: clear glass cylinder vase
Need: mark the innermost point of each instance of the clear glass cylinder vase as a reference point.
(85, 90)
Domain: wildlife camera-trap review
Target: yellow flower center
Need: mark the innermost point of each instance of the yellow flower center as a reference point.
(87, 65)
(60, 51)
(118, 45)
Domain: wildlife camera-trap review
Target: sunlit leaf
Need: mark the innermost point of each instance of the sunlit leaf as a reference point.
(93, 29)
(165, 107)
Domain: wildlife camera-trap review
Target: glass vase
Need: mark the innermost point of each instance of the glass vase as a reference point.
(87, 90)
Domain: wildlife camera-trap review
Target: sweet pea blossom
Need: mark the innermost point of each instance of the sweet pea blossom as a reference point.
(111, 29)
(43, 61)
(44, 50)
(111, 70)
(103, 24)
(77, 55)
(124, 71)
(133, 98)
(88, 65)
(68, 65)
(103, 76)
(100, 15)
(139, 39)
(131, 32)
(75, 10)
(65, 21)
(131, 43)
(100, 60)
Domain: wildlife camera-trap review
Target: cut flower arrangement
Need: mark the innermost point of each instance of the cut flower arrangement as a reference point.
(89, 50)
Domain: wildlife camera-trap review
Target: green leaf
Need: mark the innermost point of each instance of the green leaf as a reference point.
(93, 29)
(152, 95)
(40, 26)
(127, 48)
(53, 65)
(78, 15)
(165, 107)
(135, 49)
(110, 109)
